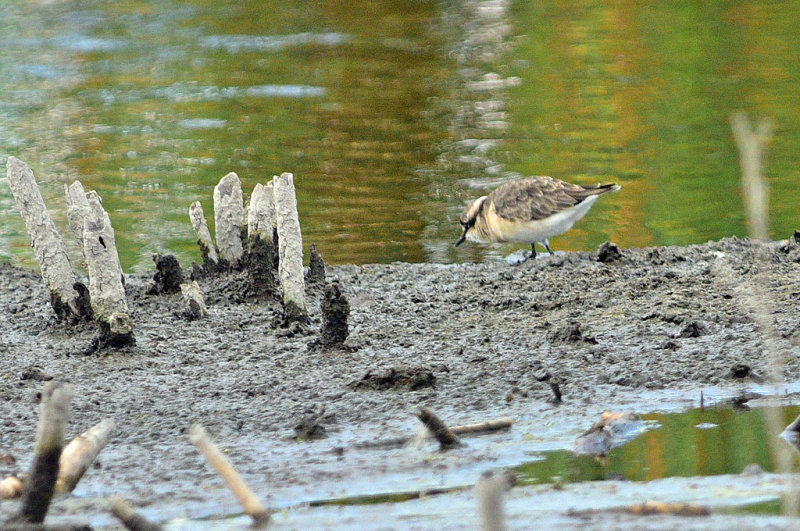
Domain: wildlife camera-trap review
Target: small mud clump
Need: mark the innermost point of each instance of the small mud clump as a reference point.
(396, 378)
(694, 329)
(572, 333)
(169, 275)
(310, 429)
(608, 252)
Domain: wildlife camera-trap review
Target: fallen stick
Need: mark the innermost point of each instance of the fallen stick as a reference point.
(53, 414)
(228, 218)
(488, 426)
(251, 504)
(48, 246)
(447, 439)
(80, 453)
(207, 248)
(129, 517)
(290, 249)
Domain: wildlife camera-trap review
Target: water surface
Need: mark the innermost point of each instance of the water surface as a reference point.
(391, 116)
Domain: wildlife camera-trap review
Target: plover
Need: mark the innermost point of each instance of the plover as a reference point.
(530, 210)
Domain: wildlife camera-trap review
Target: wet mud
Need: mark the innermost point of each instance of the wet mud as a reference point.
(471, 342)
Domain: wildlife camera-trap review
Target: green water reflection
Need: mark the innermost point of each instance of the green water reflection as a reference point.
(677, 448)
(375, 107)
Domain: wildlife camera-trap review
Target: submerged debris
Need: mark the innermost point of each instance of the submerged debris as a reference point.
(396, 378)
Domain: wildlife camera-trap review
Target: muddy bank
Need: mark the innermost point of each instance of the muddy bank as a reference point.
(470, 341)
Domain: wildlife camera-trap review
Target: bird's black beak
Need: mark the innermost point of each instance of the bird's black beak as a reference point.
(462, 238)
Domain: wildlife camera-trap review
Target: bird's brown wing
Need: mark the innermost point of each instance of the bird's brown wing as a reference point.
(535, 198)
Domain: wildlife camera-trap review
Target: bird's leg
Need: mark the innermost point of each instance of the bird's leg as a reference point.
(547, 246)
(532, 256)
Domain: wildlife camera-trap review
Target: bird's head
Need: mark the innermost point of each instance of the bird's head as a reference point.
(469, 216)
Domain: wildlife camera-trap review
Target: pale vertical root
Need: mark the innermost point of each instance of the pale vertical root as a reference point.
(106, 292)
(207, 248)
(130, 518)
(490, 490)
(48, 246)
(752, 147)
(249, 501)
(261, 245)
(98, 212)
(78, 210)
(228, 218)
(81, 453)
(290, 248)
(53, 414)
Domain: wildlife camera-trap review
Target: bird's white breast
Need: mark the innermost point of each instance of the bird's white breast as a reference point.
(540, 229)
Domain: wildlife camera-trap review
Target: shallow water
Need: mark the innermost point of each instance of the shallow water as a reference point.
(392, 116)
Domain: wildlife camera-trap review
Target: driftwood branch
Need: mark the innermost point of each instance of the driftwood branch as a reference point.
(249, 501)
(447, 439)
(129, 517)
(228, 218)
(53, 415)
(48, 246)
(81, 453)
(488, 426)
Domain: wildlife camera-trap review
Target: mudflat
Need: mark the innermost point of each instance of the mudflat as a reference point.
(470, 341)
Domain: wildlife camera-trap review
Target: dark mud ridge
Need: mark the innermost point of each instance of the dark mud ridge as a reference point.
(470, 341)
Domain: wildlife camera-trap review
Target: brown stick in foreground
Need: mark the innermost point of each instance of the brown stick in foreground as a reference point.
(447, 439)
(130, 518)
(251, 504)
(49, 443)
(488, 426)
(80, 453)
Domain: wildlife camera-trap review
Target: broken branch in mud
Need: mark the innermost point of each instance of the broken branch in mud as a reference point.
(129, 517)
(489, 490)
(752, 144)
(249, 501)
(78, 209)
(106, 292)
(290, 249)
(447, 439)
(79, 454)
(228, 218)
(207, 248)
(48, 245)
(488, 426)
(39, 491)
(98, 212)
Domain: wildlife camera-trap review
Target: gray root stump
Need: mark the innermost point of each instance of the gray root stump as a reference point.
(81, 453)
(54, 411)
(194, 301)
(106, 291)
(228, 218)
(47, 242)
(290, 249)
(261, 245)
(335, 312)
(98, 212)
(207, 248)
